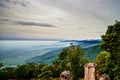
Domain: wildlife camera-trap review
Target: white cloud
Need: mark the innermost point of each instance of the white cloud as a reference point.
(75, 19)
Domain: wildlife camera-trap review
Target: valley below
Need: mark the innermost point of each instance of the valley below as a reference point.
(13, 53)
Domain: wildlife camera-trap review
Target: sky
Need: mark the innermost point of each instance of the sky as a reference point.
(57, 19)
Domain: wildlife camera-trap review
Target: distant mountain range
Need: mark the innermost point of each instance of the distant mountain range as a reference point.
(91, 48)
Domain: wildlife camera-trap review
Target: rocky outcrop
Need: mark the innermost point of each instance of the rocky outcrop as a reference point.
(90, 71)
(65, 75)
(104, 77)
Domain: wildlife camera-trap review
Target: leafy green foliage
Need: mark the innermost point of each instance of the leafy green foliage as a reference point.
(76, 58)
(72, 58)
(6, 73)
(46, 73)
(102, 61)
(111, 44)
(38, 69)
(22, 71)
(1, 64)
(63, 54)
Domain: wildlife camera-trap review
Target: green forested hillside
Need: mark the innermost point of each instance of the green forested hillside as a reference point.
(92, 52)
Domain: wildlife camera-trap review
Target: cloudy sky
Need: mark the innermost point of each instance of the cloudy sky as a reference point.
(56, 19)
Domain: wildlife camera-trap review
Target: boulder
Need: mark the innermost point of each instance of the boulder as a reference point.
(104, 77)
(65, 75)
(90, 71)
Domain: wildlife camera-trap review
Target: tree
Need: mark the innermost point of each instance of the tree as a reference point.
(1, 65)
(71, 58)
(7, 73)
(38, 69)
(76, 60)
(31, 66)
(102, 61)
(45, 73)
(22, 71)
(63, 54)
(111, 43)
